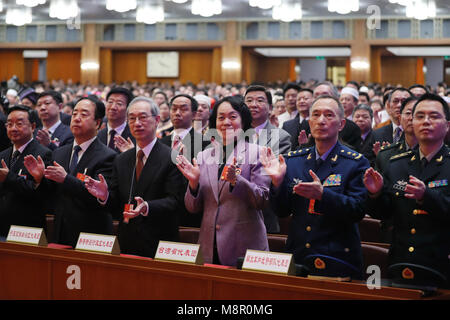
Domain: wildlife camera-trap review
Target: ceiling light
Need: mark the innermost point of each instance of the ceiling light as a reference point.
(90, 66)
(121, 5)
(18, 16)
(264, 4)
(343, 6)
(287, 11)
(63, 9)
(30, 3)
(149, 13)
(206, 8)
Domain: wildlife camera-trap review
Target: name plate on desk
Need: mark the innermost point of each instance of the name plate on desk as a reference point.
(98, 243)
(27, 235)
(179, 252)
(267, 261)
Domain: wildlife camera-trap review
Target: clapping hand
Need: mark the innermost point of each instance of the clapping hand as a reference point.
(373, 181)
(122, 144)
(310, 190)
(35, 167)
(274, 166)
(189, 171)
(98, 188)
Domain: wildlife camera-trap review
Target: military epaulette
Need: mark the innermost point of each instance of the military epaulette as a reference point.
(390, 146)
(300, 152)
(350, 154)
(401, 155)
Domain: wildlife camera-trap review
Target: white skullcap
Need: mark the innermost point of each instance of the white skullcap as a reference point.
(203, 99)
(11, 92)
(351, 91)
(364, 89)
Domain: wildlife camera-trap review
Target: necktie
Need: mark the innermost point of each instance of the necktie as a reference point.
(424, 162)
(139, 163)
(74, 162)
(112, 134)
(319, 163)
(15, 156)
(398, 133)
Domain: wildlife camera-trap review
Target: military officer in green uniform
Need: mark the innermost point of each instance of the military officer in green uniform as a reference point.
(414, 190)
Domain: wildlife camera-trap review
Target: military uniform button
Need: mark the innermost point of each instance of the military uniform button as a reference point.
(411, 249)
(397, 194)
(307, 245)
(415, 211)
(413, 231)
(347, 250)
(308, 228)
(217, 227)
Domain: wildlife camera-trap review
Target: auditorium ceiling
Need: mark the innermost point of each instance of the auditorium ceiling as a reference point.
(95, 11)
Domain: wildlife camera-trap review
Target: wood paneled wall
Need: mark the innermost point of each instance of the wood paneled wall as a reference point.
(13, 63)
(395, 70)
(194, 66)
(63, 64)
(257, 68)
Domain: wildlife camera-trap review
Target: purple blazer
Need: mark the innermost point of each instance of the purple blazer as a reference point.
(234, 216)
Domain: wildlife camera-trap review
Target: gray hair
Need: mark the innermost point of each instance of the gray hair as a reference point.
(334, 91)
(341, 112)
(154, 110)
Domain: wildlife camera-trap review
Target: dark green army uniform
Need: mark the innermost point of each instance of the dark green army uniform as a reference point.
(421, 233)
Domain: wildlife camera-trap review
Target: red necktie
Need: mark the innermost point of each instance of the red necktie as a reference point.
(140, 163)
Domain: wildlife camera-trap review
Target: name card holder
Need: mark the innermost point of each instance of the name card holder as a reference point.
(179, 252)
(27, 235)
(266, 261)
(98, 243)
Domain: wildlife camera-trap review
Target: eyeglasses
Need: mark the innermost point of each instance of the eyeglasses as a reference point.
(141, 118)
(257, 101)
(18, 124)
(432, 117)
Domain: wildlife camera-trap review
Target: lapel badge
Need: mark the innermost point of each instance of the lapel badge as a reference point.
(334, 159)
(439, 159)
(309, 157)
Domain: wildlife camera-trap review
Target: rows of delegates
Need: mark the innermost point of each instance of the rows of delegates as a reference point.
(230, 160)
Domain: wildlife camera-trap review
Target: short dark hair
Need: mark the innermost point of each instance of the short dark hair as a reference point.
(123, 91)
(194, 103)
(253, 88)
(398, 89)
(238, 104)
(364, 107)
(365, 94)
(408, 100)
(291, 85)
(21, 107)
(353, 83)
(434, 97)
(306, 89)
(99, 106)
(54, 94)
(418, 86)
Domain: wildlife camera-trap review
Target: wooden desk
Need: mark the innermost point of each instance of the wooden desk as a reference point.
(31, 272)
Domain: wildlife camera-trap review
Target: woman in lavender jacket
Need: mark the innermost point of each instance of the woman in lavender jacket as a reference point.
(228, 184)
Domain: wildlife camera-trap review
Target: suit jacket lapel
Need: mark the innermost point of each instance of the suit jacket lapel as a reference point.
(88, 155)
(212, 168)
(151, 166)
(433, 167)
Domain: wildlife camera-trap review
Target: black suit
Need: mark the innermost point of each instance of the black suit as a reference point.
(20, 203)
(159, 185)
(366, 148)
(351, 135)
(187, 219)
(384, 133)
(4, 140)
(65, 118)
(294, 127)
(126, 133)
(76, 209)
(60, 137)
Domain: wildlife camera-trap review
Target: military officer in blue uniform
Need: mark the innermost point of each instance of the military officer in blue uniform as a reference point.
(322, 188)
(414, 190)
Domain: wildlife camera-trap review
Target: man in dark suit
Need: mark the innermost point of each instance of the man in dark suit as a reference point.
(414, 190)
(392, 132)
(259, 101)
(145, 177)
(21, 202)
(117, 101)
(75, 208)
(182, 112)
(363, 116)
(53, 133)
(299, 125)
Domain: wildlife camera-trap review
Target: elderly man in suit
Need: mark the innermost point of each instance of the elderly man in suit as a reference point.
(259, 101)
(76, 209)
(53, 133)
(117, 101)
(21, 202)
(146, 178)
